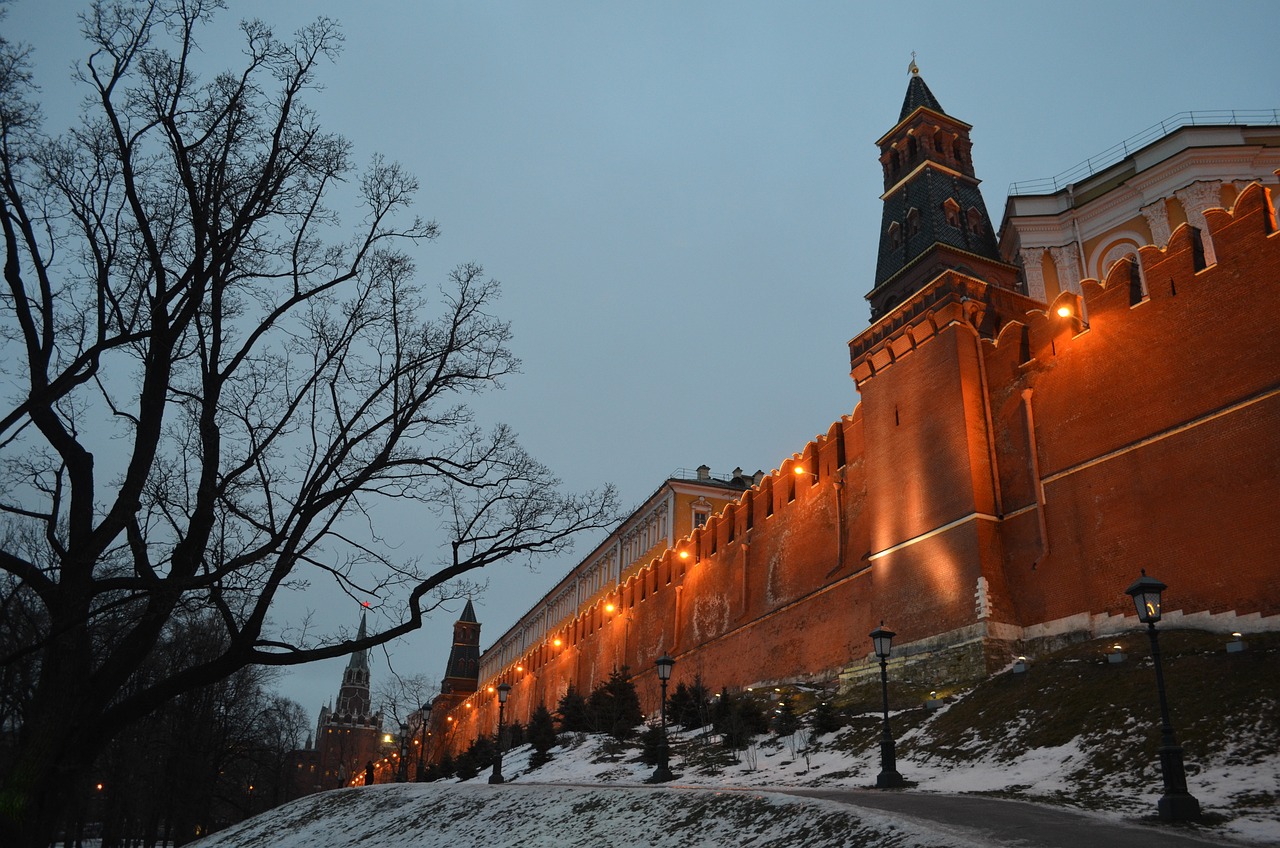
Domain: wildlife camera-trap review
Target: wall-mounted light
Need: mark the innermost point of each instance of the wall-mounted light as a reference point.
(1075, 313)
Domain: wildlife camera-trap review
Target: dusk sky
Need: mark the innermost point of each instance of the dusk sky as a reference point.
(681, 199)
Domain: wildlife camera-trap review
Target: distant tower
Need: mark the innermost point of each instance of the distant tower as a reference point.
(462, 674)
(934, 218)
(348, 735)
(353, 697)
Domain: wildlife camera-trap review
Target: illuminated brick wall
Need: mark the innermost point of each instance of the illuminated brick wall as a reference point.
(967, 525)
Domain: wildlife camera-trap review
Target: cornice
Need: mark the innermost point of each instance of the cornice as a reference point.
(928, 163)
(950, 298)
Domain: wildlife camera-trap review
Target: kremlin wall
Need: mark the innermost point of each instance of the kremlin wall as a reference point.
(1026, 442)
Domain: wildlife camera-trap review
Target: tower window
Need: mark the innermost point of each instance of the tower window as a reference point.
(913, 222)
(951, 211)
(975, 221)
(895, 235)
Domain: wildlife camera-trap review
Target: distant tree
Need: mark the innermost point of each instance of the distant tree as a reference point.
(445, 767)
(572, 712)
(823, 718)
(542, 736)
(785, 720)
(516, 735)
(651, 744)
(214, 392)
(465, 766)
(614, 706)
(738, 718)
(688, 706)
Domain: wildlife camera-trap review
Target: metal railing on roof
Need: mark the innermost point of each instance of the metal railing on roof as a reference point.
(1112, 155)
(691, 474)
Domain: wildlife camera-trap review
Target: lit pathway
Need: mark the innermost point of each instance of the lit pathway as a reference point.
(999, 822)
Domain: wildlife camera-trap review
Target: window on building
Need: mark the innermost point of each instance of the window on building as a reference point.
(913, 221)
(895, 235)
(951, 211)
(975, 221)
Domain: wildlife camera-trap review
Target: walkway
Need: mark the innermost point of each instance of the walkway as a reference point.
(1001, 822)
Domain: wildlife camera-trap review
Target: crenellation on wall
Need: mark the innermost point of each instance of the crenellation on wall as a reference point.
(1011, 465)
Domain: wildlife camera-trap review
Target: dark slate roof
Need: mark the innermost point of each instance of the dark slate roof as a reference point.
(468, 612)
(926, 193)
(918, 94)
(360, 659)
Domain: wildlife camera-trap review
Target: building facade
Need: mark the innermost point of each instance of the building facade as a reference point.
(1027, 440)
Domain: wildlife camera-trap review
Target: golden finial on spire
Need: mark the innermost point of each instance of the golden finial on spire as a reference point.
(913, 68)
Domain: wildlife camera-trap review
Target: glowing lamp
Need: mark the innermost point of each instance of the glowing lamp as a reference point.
(557, 642)
(609, 608)
(684, 555)
(1145, 592)
(1064, 311)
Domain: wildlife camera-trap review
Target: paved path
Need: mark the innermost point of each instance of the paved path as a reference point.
(1000, 822)
(993, 822)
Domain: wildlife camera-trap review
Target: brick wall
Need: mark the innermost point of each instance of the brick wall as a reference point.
(1155, 441)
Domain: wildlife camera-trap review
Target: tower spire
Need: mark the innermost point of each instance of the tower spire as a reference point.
(934, 217)
(360, 659)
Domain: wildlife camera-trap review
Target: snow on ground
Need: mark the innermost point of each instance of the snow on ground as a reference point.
(417, 815)
(573, 811)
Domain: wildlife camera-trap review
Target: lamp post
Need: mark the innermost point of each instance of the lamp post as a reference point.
(888, 778)
(503, 691)
(1176, 804)
(424, 716)
(402, 772)
(663, 772)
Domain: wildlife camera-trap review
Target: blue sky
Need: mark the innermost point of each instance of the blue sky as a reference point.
(682, 198)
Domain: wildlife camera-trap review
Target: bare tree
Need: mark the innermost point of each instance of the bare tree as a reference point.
(215, 394)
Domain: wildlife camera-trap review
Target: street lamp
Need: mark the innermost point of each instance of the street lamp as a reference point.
(402, 774)
(1176, 804)
(503, 691)
(424, 713)
(888, 778)
(663, 772)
